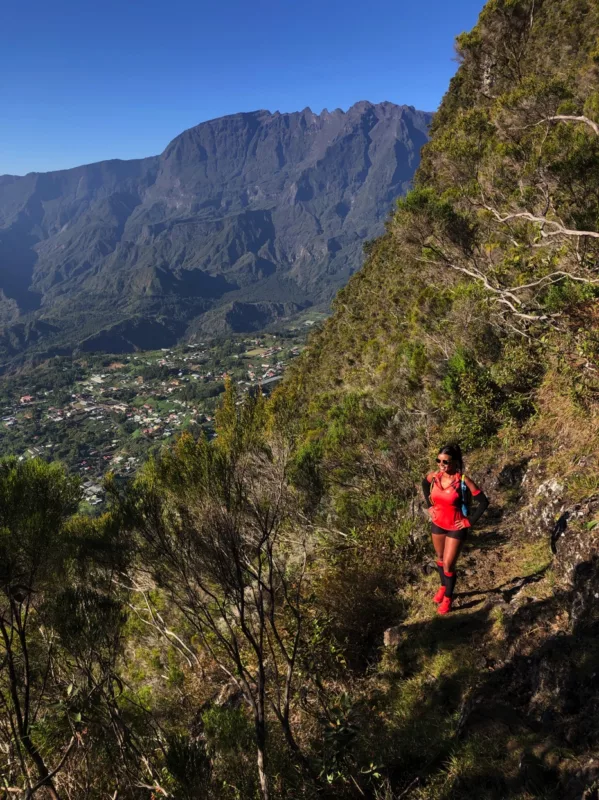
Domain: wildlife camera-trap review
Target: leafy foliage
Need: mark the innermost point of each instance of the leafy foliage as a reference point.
(462, 305)
(217, 632)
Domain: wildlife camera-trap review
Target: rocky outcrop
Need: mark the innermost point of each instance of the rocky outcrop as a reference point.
(575, 540)
(571, 528)
(543, 500)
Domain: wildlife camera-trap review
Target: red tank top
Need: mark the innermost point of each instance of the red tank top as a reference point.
(447, 503)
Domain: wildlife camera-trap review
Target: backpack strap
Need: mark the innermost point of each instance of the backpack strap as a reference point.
(464, 495)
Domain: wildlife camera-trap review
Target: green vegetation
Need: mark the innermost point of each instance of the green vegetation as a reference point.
(251, 615)
(484, 288)
(195, 621)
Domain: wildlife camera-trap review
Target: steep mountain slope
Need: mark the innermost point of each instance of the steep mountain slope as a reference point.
(475, 318)
(259, 208)
(494, 253)
(253, 615)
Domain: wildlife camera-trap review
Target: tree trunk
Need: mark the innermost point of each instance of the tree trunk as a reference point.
(261, 747)
(43, 772)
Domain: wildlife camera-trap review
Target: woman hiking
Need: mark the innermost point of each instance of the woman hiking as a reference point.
(446, 494)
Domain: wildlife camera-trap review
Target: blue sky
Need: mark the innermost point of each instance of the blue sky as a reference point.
(87, 80)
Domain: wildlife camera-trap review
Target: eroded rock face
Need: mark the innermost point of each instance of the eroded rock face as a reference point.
(512, 475)
(546, 513)
(544, 504)
(574, 543)
(239, 217)
(495, 480)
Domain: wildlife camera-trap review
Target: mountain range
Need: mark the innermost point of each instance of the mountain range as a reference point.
(240, 221)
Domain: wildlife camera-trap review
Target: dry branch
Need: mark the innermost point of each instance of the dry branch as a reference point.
(571, 118)
(560, 230)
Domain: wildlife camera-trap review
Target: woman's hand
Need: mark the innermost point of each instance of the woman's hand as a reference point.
(431, 512)
(461, 524)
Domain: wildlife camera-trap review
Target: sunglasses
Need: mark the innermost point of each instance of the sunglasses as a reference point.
(443, 461)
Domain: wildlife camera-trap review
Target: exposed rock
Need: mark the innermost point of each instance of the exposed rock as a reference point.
(393, 637)
(544, 506)
(512, 475)
(573, 542)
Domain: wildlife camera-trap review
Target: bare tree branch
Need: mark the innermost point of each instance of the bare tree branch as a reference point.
(55, 771)
(571, 118)
(555, 277)
(561, 230)
(500, 295)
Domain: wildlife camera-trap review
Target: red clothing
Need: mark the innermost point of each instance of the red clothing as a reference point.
(447, 504)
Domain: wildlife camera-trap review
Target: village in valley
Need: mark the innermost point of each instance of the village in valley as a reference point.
(98, 413)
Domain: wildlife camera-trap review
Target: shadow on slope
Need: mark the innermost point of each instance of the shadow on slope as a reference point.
(513, 712)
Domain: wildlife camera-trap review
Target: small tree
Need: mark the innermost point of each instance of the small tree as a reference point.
(64, 726)
(116, 737)
(213, 525)
(36, 503)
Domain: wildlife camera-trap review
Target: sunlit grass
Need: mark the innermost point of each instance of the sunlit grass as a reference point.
(533, 557)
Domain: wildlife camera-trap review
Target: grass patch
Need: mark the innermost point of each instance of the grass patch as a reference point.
(418, 713)
(257, 352)
(583, 485)
(533, 558)
(493, 765)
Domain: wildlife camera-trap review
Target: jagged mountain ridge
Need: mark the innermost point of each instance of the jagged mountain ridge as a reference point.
(265, 209)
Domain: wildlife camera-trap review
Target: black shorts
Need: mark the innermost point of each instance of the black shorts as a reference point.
(461, 534)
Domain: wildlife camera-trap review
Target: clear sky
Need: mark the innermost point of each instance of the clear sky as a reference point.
(87, 80)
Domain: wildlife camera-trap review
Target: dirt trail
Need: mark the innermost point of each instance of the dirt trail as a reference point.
(498, 569)
(517, 675)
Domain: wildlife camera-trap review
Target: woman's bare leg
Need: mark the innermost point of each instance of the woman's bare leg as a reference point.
(451, 551)
(439, 545)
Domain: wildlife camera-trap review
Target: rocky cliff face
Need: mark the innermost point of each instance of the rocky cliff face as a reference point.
(252, 208)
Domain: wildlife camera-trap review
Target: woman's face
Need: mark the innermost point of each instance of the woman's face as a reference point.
(445, 463)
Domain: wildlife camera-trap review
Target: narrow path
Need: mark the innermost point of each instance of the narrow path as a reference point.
(498, 667)
(500, 569)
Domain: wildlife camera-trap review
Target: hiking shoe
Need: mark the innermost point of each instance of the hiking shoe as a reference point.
(439, 596)
(445, 606)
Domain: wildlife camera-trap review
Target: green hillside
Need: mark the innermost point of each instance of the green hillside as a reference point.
(474, 320)
(485, 272)
(251, 616)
